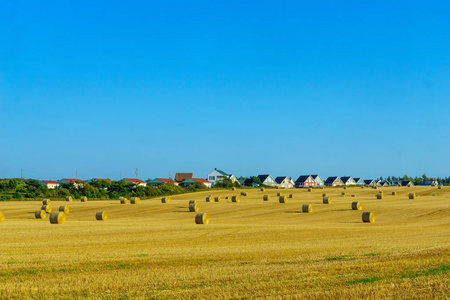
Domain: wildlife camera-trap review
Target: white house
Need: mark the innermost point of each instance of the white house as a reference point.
(267, 180)
(219, 175)
(319, 181)
(136, 182)
(348, 180)
(50, 184)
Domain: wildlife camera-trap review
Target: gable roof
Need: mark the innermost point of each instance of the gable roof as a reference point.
(368, 181)
(263, 177)
(134, 180)
(315, 176)
(331, 179)
(49, 181)
(280, 179)
(183, 176)
(71, 180)
(166, 180)
(345, 178)
(201, 180)
(357, 179)
(222, 172)
(302, 178)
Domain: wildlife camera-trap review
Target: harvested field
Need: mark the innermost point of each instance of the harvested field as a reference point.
(150, 247)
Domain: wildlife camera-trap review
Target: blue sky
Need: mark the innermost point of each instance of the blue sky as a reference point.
(251, 87)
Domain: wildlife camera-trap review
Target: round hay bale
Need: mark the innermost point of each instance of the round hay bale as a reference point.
(433, 184)
(309, 189)
(201, 218)
(64, 209)
(244, 194)
(57, 217)
(217, 199)
(101, 216)
(165, 200)
(278, 187)
(46, 208)
(2, 217)
(343, 193)
(307, 208)
(356, 205)
(380, 196)
(266, 198)
(408, 185)
(291, 196)
(233, 188)
(123, 200)
(69, 198)
(279, 194)
(440, 187)
(368, 217)
(362, 187)
(40, 214)
(375, 187)
(394, 193)
(135, 200)
(345, 187)
(324, 195)
(84, 199)
(326, 200)
(263, 189)
(236, 198)
(46, 202)
(209, 198)
(412, 195)
(282, 199)
(353, 196)
(321, 187)
(193, 207)
(193, 201)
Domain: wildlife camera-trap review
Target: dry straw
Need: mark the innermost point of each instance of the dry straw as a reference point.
(69, 198)
(394, 193)
(236, 198)
(123, 200)
(193, 207)
(353, 196)
(380, 196)
(309, 189)
(193, 201)
(40, 214)
(324, 195)
(440, 187)
(165, 200)
(345, 187)
(343, 193)
(368, 217)
(266, 198)
(291, 196)
(84, 199)
(282, 199)
(46, 202)
(135, 200)
(279, 194)
(307, 208)
(101, 216)
(326, 200)
(57, 217)
(209, 198)
(263, 189)
(356, 206)
(412, 195)
(201, 218)
(244, 194)
(217, 199)
(64, 209)
(46, 208)
(233, 188)
(2, 217)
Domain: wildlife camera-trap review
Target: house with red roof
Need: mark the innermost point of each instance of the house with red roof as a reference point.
(50, 184)
(192, 181)
(161, 181)
(76, 182)
(136, 182)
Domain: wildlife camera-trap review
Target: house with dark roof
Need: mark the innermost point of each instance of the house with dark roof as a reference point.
(267, 180)
(305, 181)
(382, 183)
(50, 184)
(192, 181)
(407, 183)
(333, 181)
(319, 181)
(182, 176)
(348, 180)
(359, 181)
(285, 182)
(219, 175)
(161, 181)
(369, 182)
(135, 182)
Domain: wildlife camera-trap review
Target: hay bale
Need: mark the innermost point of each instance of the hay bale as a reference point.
(69, 198)
(408, 185)
(291, 196)
(46, 208)
(343, 193)
(193, 201)
(440, 187)
(353, 196)
(217, 199)
(40, 214)
(236, 198)
(380, 196)
(233, 188)
(356, 205)
(282, 199)
(324, 195)
(412, 195)
(266, 198)
(309, 189)
(2, 217)
(362, 187)
(135, 200)
(263, 189)
(307, 208)
(209, 198)
(368, 217)
(101, 216)
(201, 218)
(394, 193)
(193, 207)
(46, 202)
(345, 187)
(278, 187)
(165, 200)
(57, 217)
(433, 184)
(322, 187)
(64, 209)
(279, 194)
(244, 194)
(83, 199)
(123, 200)
(326, 200)
(375, 187)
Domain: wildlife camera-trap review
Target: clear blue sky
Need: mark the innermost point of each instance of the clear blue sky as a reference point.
(359, 88)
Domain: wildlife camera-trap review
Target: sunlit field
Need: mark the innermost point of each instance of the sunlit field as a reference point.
(250, 249)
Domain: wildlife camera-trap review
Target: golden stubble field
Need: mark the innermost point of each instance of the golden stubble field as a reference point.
(250, 249)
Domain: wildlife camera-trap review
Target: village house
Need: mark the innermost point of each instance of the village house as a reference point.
(305, 181)
(135, 182)
(407, 183)
(429, 181)
(76, 182)
(191, 181)
(359, 181)
(50, 184)
(318, 180)
(333, 181)
(285, 182)
(348, 180)
(161, 181)
(219, 176)
(179, 177)
(267, 180)
(369, 182)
